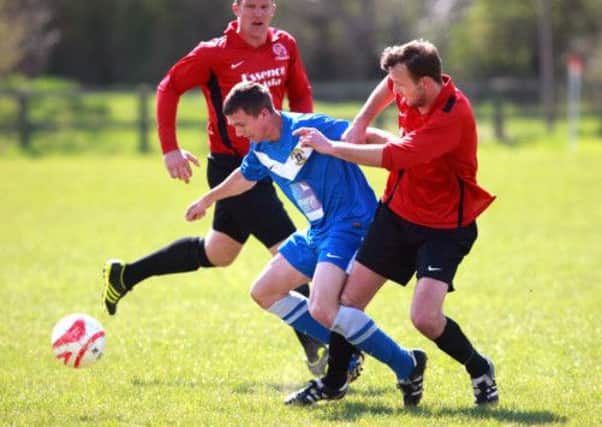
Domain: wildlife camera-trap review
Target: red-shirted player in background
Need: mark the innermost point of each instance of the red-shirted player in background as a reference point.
(425, 223)
(249, 50)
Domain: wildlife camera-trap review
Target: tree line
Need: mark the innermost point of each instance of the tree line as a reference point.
(112, 42)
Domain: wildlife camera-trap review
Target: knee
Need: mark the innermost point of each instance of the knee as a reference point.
(222, 261)
(321, 314)
(218, 253)
(349, 301)
(428, 323)
(259, 297)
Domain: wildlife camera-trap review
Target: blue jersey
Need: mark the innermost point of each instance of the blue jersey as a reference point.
(328, 191)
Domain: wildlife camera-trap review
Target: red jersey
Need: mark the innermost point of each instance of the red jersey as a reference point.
(216, 66)
(433, 169)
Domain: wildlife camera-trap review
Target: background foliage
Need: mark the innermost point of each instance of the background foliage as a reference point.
(132, 41)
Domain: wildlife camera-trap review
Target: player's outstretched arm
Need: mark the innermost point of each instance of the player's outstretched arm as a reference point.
(234, 185)
(312, 137)
(379, 99)
(379, 136)
(177, 162)
(369, 155)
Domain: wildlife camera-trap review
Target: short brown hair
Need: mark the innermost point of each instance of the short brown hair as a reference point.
(250, 97)
(419, 56)
(240, 1)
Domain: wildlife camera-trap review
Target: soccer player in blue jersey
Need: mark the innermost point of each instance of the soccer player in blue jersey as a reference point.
(338, 203)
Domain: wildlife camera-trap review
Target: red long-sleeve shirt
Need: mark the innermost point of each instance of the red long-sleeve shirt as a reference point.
(216, 66)
(433, 169)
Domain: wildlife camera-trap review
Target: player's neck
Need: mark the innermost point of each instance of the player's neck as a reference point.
(275, 127)
(254, 40)
(431, 98)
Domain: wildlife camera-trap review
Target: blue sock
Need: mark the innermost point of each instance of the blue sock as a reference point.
(361, 331)
(293, 309)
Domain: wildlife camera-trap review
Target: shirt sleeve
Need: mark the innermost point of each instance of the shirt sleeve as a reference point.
(190, 71)
(251, 168)
(331, 128)
(441, 134)
(299, 90)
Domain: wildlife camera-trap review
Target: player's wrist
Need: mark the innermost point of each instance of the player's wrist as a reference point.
(336, 148)
(361, 122)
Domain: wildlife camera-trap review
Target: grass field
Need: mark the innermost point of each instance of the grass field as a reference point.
(194, 350)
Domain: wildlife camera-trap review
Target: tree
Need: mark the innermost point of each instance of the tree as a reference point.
(494, 39)
(12, 32)
(25, 36)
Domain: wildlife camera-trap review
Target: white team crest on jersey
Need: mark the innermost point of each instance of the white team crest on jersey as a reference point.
(280, 52)
(298, 156)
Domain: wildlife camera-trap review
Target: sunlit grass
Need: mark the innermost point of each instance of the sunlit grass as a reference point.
(195, 350)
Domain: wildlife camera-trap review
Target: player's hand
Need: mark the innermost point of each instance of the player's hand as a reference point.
(198, 209)
(177, 162)
(310, 137)
(355, 133)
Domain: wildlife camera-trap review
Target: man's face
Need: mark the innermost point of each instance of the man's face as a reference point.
(254, 16)
(248, 126)
(404, 85)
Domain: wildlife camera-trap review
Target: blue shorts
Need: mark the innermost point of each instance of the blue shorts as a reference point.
(338, 247)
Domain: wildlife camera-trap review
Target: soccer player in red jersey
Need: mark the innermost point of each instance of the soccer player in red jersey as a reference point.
(249, 50)
(425, 223)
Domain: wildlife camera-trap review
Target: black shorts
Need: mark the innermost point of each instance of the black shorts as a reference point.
(396, 248)
(258, 211)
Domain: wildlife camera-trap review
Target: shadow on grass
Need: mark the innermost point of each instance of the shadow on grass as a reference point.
(351, 411)
(156, 382)
(345, 411)
(253, 387)
(348, 411)
(109, 419)
(499, 413)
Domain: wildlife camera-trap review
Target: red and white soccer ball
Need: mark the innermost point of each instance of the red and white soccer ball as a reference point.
(78, 340)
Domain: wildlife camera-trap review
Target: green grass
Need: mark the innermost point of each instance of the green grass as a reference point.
(194, 349)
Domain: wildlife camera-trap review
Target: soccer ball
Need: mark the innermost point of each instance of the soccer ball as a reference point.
(78, 340)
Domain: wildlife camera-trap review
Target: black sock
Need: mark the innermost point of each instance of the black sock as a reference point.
(310, 345)
(187, 254)
(303, 290)
(339, 356)
(453, 342)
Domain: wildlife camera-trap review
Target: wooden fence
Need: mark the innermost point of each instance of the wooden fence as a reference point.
(25, 125)
(17, 110)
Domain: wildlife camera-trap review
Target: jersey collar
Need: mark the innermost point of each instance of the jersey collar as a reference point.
(448, 89)
(237, 41)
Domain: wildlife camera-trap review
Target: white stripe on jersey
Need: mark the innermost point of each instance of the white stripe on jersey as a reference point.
(293, 164)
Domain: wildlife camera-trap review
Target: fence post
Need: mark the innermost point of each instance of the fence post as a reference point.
(498, 120)
(143, 118)
(23, 122)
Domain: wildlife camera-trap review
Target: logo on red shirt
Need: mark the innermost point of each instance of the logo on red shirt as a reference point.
(280, 52)
(269, 78)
